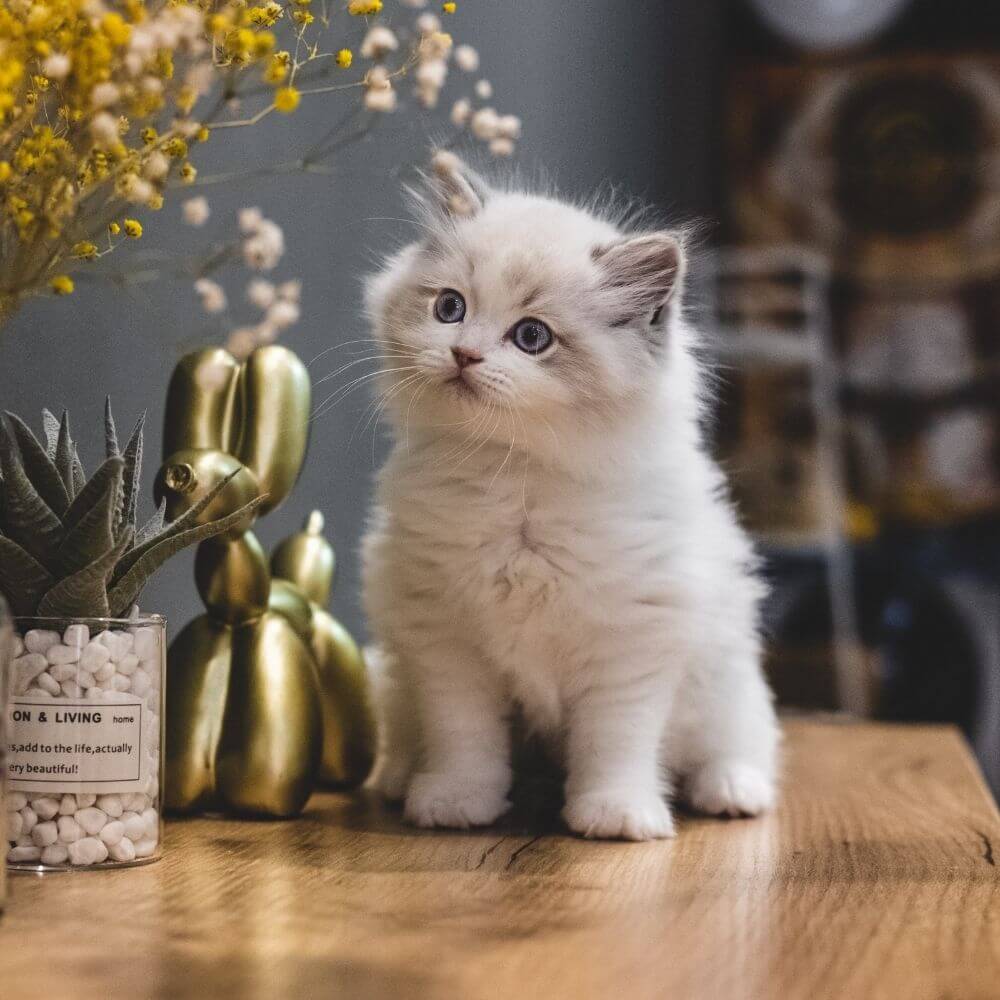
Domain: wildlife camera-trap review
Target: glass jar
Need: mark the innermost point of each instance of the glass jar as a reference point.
(6, 647)
(85, 730)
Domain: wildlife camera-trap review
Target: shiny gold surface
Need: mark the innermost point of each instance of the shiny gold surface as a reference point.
(189, 474)
(306, 558)
(272, 731)
(274, 403)
(233, 579)
(288, 601)
(197, 685)
(265, 686)
(201, 401)
(348, 722)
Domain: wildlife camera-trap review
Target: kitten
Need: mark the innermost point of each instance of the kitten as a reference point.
(549, 530)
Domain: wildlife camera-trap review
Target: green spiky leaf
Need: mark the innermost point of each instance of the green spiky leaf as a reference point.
(85, 593)
(40, 469)
(23, 580)
(93, 533)
(126, 591)
(111, 471)
(28, 519)
(51, 425)
(153, 526)
(64, 455)
(110, 431)
(133, 467)
(185, 521)
(76, 471)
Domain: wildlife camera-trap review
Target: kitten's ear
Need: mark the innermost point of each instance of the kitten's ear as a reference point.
(644, 273)
(459, 190)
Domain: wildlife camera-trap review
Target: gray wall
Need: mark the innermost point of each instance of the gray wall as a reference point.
(607, 91)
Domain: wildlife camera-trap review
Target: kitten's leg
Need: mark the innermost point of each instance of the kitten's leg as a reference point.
(614, 787)
(398, 730)
(465, 773)
(732, 740)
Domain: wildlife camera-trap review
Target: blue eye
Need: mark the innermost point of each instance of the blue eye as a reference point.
(449, 307)
(531, 336)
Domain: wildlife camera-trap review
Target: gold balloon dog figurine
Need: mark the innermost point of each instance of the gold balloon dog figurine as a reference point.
(266, 692)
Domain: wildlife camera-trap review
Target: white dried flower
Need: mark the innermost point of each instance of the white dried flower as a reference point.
(261, 293)
(290, 291)
(157, 166)
(263, 249)
(460, 111)
(195, 211)
(104, 95)
(136, 190)
(414, 3)
(56, 66)
(282, 314)
(379, 95)
(151, 85)
(509, 127)
(484, 123)
(241, 342)
(104, 129)
(250, 219)
(200, 77)
(484, 90)
(436, 45)
(432, 73)
(467, 59)
(501, 146)
(379, 42)
(428, 23)
(213, 298)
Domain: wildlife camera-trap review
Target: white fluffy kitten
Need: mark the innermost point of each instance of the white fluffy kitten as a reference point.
(549, 530)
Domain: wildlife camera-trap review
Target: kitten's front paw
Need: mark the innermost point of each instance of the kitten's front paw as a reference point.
(731, 788)
(454, 800)
(390, 777)
(619, 815)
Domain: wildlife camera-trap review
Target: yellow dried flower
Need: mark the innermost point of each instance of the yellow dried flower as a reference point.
(149, 135)
(303, 17)
(263, 43)
(188, 173)
(114, 229)
(202, 134)
(62, 284)
(286, 99)
(175, 147)
(449, 7)
(276, 70)
(344, 58)
(41, 82)
(362, 8)
(5, 171)
(116, 28)
(84, 250)
(155, 203)
(133, 228)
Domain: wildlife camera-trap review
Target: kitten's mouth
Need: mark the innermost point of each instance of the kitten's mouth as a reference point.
(462, 386)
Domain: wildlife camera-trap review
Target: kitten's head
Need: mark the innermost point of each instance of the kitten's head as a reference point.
(521, 308)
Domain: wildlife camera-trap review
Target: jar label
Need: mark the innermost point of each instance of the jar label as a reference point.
(76, 746)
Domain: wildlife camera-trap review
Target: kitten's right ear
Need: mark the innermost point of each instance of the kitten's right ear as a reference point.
(459, 191)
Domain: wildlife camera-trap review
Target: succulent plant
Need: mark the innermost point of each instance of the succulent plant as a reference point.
(69, 546)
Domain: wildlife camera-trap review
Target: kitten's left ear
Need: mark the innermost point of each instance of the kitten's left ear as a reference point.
(460, 191)
(643, 272)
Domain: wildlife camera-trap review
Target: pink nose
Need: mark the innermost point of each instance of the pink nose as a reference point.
(464, 358)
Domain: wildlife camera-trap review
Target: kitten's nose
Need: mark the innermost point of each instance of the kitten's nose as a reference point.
(464, 358)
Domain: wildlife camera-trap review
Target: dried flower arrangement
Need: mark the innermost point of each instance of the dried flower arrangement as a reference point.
(103, 104)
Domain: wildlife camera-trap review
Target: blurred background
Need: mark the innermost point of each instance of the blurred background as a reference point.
(843, 160)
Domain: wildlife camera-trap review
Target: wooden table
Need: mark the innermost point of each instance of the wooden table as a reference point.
(876, 878)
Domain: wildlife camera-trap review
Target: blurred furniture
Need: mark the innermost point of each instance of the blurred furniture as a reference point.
(779, 435)
(876, 878)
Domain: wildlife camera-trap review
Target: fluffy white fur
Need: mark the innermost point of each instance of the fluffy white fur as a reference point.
(549, 530)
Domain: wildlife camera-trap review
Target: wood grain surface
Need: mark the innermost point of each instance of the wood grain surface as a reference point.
(876, 878)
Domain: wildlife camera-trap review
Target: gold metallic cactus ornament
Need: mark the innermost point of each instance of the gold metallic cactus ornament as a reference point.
(266, 692)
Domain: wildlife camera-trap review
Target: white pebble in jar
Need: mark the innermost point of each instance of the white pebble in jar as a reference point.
(85, 771)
